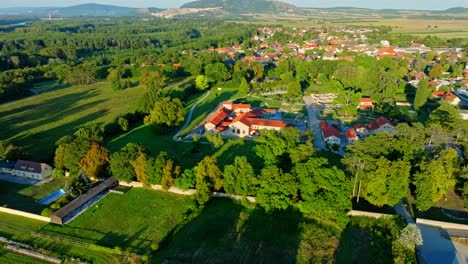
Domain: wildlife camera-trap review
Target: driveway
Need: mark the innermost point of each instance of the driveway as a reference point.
(436, 249)
(313, 110)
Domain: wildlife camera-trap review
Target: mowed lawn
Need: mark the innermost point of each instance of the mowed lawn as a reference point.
(37, 122)
(134, 222)
(25, 197)
(228, 232)
(8, 257)
(28, 231)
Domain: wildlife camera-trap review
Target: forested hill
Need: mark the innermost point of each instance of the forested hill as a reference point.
(244, 6)
(84, 10)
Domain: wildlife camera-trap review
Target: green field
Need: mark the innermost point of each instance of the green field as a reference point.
(8, 257)
(29, 231)
(37, 122)
(228, 232)
(208, 105)
(135, 221)
(25, 197)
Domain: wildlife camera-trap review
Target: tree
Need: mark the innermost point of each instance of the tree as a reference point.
(139, 166)
(436, 71)
(169, 173)
(69, 154)
(436, 178)
(201, 82)
(167, 112)
(239, 178)
(276, 189)
(186, 180)
(115, 79)
(270, 146)
(121, 162)
(324, 191)
(208, 177)
(91, 131)
(244, 87)
(410, 237)
(215, 139)
(123, 123)
(94, 163)
(294, 90)
(156, 167)
(152, 80)
(348, 102)
(423, 92)
(9, 151)
(217, 72)
(447, 116)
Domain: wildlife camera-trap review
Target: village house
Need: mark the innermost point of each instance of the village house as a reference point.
(366, 104)
(379, 125)
(26, 169)
(241, 120)
(330, 134)
(351, 135)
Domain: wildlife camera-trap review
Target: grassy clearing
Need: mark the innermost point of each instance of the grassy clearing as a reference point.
(8, 257)
(207, 106)
(24, 197)
(135, 221)
(228, 232)
(29, 231)
(369, 240)
(37, 122)
(144, 135)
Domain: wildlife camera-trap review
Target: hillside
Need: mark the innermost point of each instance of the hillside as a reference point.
(245, 6)
(84, 10)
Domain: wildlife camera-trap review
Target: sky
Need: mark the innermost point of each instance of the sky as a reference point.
(377, 4)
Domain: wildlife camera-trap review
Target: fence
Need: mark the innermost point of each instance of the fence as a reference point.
(368, 214)
(233, 196)
(24, 214)
(444, 225)
(135, 184)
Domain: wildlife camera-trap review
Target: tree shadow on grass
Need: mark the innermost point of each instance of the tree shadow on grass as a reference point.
(228, 232)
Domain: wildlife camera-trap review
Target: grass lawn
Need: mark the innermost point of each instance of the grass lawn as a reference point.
(37, 122)
(24, 197)
(207, 106)
(154, 143)
(8, 257)
(361, 243)
(238, 147)
(228, 232)
(133, 222)
(28, 231)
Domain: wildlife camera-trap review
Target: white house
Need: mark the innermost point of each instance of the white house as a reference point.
(32, 170)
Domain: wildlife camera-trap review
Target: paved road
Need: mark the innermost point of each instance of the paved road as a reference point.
(313, 109)
(435, 249)
(189, 118)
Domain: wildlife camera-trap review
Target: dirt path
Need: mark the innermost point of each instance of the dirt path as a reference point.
(189, 118)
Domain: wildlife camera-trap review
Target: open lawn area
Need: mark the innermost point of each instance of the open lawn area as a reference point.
(28, 231)
(228, 232)
(154, 143)
(207, 106)
(25, 197)
(37, 122)
(233, 148)
(8, 257)
(135, 221)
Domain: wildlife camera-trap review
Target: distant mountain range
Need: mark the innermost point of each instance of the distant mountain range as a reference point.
(84, 10)
(245, 6)
(202, 7)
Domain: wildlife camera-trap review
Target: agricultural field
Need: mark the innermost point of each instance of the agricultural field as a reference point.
(137, 221)
(25, 197)
(37, 122)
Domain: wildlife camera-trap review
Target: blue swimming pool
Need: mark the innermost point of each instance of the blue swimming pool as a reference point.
(52, 197)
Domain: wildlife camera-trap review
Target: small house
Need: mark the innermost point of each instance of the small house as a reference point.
(32, 170)
(330, 134)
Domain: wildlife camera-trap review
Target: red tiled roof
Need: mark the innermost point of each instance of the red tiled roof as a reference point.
(329, 131)
(351, 133)
(366, 100)
(244, 106)
(449, 96)
(379, 122)
(219, 117)
(438, 94)
(268, 123)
